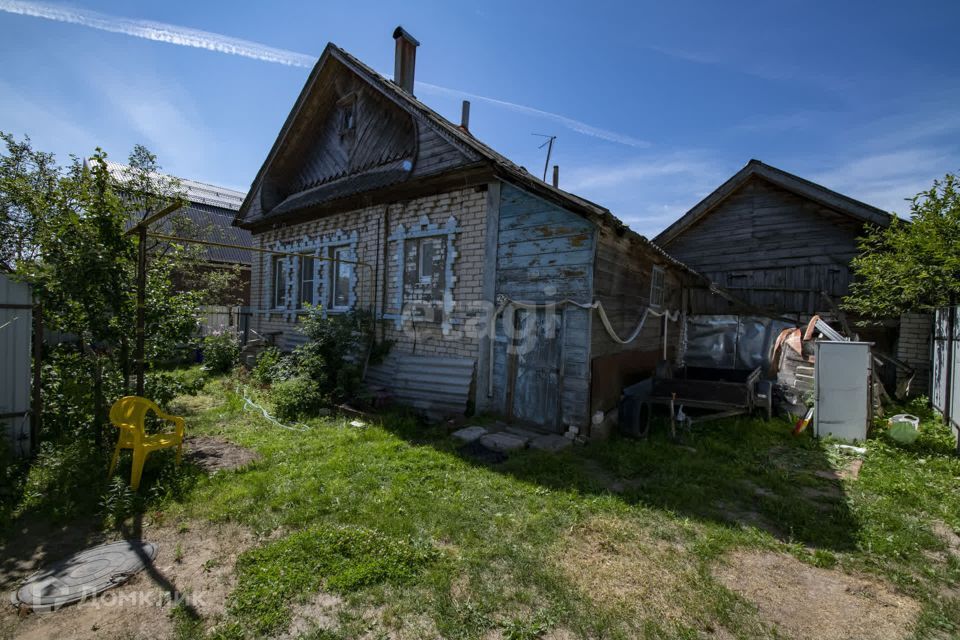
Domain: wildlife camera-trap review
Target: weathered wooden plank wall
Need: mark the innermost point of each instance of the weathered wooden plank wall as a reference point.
(622, 277)
(545, 254)
(772, 248)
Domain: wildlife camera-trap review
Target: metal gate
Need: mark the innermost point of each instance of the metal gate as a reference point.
(945, 370)
(536, 358)
(16, 326)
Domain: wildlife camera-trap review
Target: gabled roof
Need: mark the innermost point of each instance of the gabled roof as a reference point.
(210, 209)
(795, 184)
(454, 134)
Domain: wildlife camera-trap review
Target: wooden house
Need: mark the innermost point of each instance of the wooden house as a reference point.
(483, 277)
(783, 246)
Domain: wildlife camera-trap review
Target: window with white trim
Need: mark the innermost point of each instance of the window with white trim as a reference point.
(279, 282)
(656, 287)
(305, 296)
(341, 278)
(424, 274)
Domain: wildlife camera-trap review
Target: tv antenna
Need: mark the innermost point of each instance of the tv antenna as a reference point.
(549, 145)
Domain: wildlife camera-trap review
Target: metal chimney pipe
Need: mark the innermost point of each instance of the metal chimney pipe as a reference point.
(465, 115)
(405, 59)
(556, 176)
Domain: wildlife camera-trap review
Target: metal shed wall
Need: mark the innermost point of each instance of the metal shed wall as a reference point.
(16, 319)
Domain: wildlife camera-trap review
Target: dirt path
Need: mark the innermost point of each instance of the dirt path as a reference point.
(807, 602)
(194, 559)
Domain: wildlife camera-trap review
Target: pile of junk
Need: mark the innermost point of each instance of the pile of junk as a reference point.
(737, 364)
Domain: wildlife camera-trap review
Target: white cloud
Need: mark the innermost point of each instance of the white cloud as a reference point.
(158, 32)
(887, 180)
(51, 129)
(650, 192)
(569, 123)
(610, 175)
(187, 37)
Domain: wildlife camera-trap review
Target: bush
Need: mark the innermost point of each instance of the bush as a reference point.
(297, 397)
(335, 351)
(272, 366)
(164, 387)
(221, 352)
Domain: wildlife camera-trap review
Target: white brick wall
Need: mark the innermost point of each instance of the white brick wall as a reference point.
(913, 347)
(467, 206)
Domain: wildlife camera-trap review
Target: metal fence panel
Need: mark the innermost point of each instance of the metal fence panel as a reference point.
(220, 318)
(16, 318)
(945, 369)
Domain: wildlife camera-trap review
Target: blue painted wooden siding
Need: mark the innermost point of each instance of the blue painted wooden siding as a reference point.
(545, 254)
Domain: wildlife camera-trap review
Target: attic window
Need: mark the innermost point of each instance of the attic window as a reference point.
(347, 116)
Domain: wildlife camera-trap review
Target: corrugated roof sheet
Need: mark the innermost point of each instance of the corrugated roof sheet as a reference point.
(198, 192)
(214, 224)
(210, 211)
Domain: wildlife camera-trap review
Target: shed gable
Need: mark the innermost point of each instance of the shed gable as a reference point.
(772, 247)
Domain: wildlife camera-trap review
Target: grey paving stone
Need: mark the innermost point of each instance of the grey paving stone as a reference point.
(469, 434)
(503, 441)
(550, 442)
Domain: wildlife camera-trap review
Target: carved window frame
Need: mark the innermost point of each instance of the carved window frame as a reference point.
(424, 229)
(319, 247)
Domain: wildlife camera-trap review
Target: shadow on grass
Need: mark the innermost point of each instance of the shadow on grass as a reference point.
(739, 471)
(62, 504)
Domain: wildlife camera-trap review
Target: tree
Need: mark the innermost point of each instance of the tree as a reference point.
(64, 231)
(910, 266)
(28, 186)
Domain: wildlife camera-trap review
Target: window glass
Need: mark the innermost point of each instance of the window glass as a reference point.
(342, 276)
(279, 282)
(306, 281)
(656, 287)
(428, 263)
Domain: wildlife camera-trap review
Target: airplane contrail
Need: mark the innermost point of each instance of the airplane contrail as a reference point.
(187, 37)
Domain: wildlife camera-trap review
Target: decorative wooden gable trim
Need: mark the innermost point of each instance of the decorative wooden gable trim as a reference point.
(318, 158)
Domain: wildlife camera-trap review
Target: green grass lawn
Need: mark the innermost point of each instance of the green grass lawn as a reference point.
(609, 540)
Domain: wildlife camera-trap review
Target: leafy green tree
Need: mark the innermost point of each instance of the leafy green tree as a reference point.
(29, 182)
(65, 232)
(915, 265)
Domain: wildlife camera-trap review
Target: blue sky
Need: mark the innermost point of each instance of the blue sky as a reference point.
(655, 104)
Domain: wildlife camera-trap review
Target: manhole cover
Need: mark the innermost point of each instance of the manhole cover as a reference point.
(84, 575)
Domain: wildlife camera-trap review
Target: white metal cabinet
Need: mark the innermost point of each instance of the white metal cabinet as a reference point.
(842, 389)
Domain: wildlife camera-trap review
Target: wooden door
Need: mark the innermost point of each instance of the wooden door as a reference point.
(537, 345)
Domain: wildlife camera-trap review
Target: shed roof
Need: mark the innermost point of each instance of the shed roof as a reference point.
(805, 188)
(456, 135)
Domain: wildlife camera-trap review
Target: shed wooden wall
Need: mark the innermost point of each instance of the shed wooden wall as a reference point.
(772, 248)
(545, 254)
(622, 276)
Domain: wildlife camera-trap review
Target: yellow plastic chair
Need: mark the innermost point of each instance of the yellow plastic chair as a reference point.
(128, 415)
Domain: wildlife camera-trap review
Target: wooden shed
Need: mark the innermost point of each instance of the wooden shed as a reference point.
(777, 241)
(782, 245)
